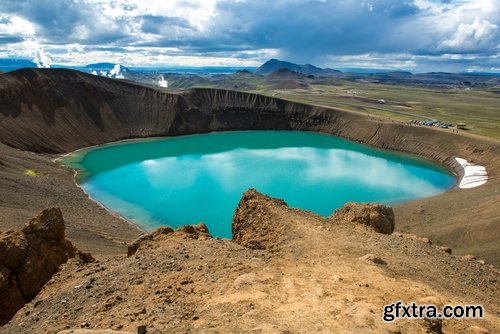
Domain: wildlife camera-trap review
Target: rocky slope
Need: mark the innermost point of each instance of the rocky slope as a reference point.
(58, 110)
(88, 225)
(55, 111)
(312, 274)
(29, 258)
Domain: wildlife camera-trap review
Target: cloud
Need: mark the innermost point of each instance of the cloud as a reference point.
(403, 34)
(472, 36)
(151, 24)
(15, 26)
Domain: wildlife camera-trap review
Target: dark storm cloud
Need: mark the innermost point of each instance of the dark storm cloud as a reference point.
(308, 26)
(299, 30)
(55, 19)
(10, 39)
(153, 24)
(306, 29)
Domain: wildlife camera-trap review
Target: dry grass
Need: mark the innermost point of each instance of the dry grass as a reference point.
(479, 108)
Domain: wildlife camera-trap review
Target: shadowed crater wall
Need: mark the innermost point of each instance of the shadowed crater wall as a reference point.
(60, 110)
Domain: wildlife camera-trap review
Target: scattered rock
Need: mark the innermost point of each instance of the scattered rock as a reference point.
(93, 331)
(445, 249)
(433, 326)
(194, 231)
(377, 216)
(478, 330)
(422, 240)
(141, 329)
(85, 324)
(29, 258)
(468, 257)
(164, 230)
(374, 259)
(414, 237)
(84, 258)
(134, 246)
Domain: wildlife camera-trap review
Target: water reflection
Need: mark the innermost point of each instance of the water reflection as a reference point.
(201, 178)
(239, 168)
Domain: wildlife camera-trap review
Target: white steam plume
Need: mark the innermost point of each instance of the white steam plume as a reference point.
(34, 51)
(162, 82)
(116, 72)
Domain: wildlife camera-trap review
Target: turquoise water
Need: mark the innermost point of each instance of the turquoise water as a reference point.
(200, 178)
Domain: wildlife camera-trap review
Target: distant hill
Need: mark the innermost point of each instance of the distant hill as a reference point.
(274, 65)
(284, 73)
(14, 64)
(286, 79)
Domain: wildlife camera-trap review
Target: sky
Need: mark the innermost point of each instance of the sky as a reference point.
(414, 35)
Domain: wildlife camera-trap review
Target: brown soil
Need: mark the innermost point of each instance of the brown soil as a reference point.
(187, 282)
(57, 111)
(313, 281)
(88, 225)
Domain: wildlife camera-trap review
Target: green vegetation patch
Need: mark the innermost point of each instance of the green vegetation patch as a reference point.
(31, 172)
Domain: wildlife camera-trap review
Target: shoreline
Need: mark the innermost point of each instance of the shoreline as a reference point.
(452, 171)
(108, 210)
(121, 111)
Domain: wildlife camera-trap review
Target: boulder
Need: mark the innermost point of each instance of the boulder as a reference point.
(256, 224)
(29, 258)
(197, 231)
(445, 249)
(134, 246)
(374, 259)
(377, 216)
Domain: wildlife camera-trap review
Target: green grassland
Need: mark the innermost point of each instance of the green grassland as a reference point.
(478, 107)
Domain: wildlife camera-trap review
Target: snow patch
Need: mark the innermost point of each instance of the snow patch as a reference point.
(474, 175)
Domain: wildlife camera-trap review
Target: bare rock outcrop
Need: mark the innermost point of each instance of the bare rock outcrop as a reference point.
(197, 231)
(29, 258)
(377, 216)
(255, 224)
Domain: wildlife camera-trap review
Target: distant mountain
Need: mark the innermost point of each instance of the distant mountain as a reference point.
(274, 65)
(284, 73)
(14, 64)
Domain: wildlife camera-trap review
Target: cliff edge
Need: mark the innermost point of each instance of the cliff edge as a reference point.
(53, 111)
(29, 258)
